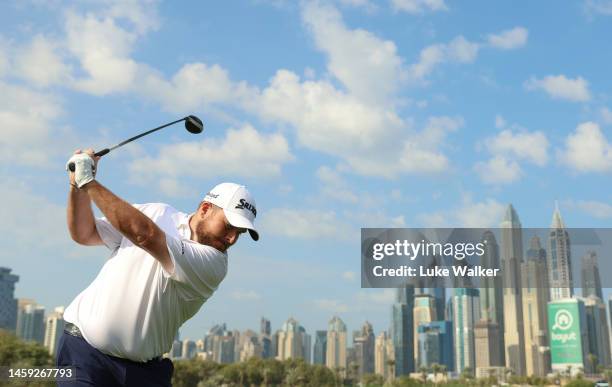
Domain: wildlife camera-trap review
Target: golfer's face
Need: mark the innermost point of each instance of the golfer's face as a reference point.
(220, 234)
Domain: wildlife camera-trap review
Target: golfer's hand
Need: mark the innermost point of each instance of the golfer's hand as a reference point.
(85, 167)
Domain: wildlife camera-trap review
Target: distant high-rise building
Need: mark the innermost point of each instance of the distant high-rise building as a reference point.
(535, 297)
(8, 303)
(320, 347)
(335, 356)
(30, 321)
(435, 344)
(424, 312)
(569, 342)
(559, 259)
(512, 258)
(293, 342)
(492, 290)
(265, 327)
(597, 330)
(189, 349)
(488, 352)
(249, 346)
(466, 312)
(54, 327)
(402, 330)
(363, 344)
(438, 293)
(591, 280)
(384, 355)
(177, 349)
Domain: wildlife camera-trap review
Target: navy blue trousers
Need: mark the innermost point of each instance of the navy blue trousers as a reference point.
(94, 368)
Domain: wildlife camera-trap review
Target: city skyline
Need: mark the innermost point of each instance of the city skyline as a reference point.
(336, 114)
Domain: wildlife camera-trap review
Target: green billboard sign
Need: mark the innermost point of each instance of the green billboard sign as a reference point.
(564, 327)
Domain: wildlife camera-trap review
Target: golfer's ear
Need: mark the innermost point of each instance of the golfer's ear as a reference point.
(205, 207)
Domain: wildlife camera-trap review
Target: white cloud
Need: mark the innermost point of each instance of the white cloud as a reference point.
(368, 66)
(243, 152)
(524, 145)
(561, 87)
(4, 61)
(305, 224)
(249, 295)
(487, 213)
(509, 39)
(103, 49)
(194, 85)
(587, 149)
(40, 63)
(498, 170)
(326, 119)
(27, 119)
(606, 115)
(334, 186)
(365, 4)
(603, 7)
(418, 6)
(594, 208)
(459, 50)
(334, 306)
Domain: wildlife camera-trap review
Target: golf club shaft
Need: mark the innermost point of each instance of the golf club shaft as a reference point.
(107, 150)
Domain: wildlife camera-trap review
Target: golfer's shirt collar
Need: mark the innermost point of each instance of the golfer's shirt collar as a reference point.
(183, 225)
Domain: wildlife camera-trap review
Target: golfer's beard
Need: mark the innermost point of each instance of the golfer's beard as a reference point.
(205, 238)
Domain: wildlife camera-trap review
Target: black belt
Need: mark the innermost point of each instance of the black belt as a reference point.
(73, 330)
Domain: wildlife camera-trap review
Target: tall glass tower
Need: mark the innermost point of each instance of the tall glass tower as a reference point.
(402, 330)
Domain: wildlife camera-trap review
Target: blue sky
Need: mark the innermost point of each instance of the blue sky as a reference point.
(336, 114)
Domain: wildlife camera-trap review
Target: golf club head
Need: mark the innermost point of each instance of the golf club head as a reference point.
(194, 125)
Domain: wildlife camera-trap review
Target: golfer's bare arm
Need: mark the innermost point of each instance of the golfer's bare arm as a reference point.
(131, 223)
(80, 218)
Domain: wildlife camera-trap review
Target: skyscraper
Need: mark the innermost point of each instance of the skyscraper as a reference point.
(535, 295)
(265, 330)
(335, 357)
(486, 343)
(597, 330)
(402, 330)
(466, 312)
(424, 311)
(435, 344)
(265, 327)
(384, 354)
(293, 341)
(512, 257)
(491, 292)
(364, 349)
(559, 259)
(320, 347)
(30, 321)
(591, 280)
(54, 327)
(8, 303)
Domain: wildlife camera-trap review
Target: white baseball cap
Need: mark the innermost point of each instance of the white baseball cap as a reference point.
(238, 205)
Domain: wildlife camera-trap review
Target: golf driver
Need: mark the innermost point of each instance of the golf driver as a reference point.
(192, 123)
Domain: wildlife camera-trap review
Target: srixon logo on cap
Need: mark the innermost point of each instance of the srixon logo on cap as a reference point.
(246, 205)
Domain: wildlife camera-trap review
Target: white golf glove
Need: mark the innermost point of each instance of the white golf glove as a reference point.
(84, 170)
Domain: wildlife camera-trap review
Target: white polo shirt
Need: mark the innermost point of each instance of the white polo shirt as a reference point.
(133, 308)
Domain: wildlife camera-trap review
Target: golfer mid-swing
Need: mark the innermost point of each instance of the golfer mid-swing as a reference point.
(163, 266)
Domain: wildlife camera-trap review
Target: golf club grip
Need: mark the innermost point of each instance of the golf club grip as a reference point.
(97, 154)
